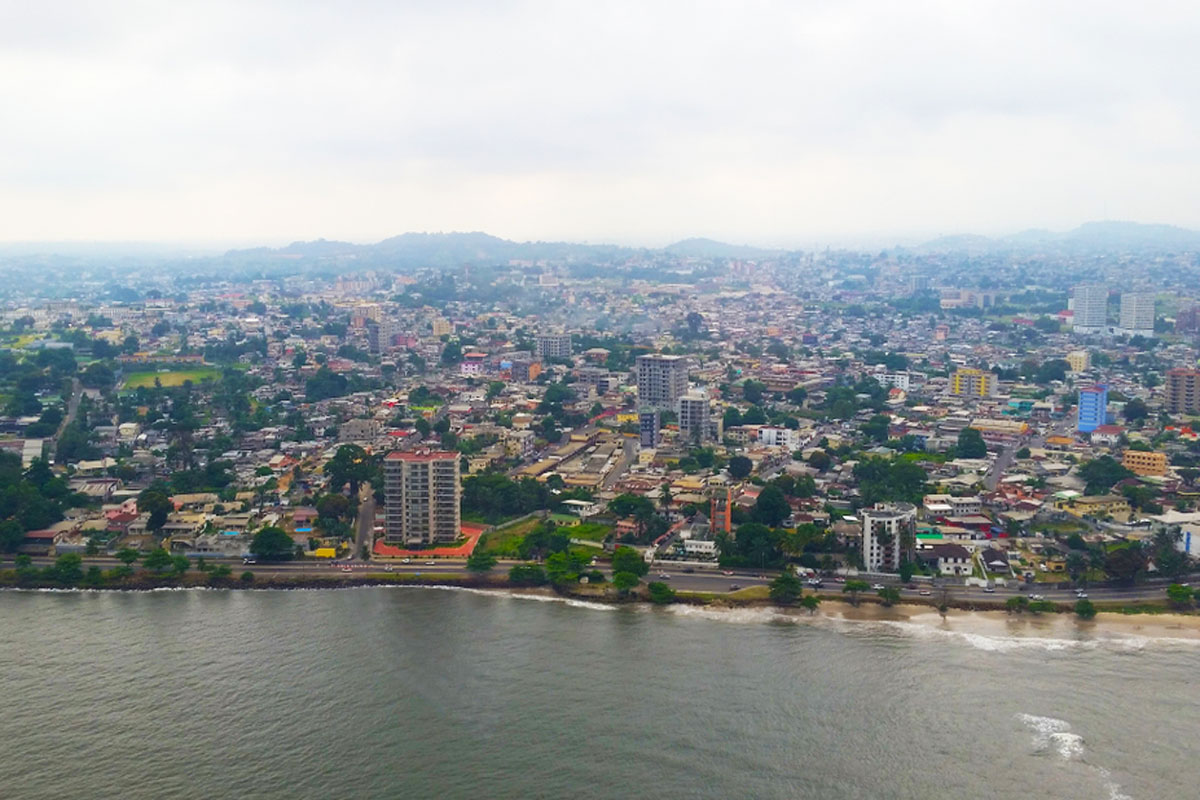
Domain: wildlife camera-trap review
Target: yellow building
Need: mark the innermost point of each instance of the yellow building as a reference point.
(1140, 462)
(1113, 505)
(442, 326)
(973, 382)
(1079, 360)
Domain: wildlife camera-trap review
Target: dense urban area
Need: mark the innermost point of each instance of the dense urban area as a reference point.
(969, 421)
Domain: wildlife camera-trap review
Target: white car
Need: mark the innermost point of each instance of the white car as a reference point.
(431, 563)
(877, 586)
(664, 576)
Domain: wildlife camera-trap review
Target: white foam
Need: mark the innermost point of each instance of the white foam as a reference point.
(739, 616)
(544, 598)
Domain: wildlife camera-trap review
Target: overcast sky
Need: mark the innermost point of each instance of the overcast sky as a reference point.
(631, 122)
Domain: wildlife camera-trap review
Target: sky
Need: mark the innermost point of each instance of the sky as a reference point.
(769, 123)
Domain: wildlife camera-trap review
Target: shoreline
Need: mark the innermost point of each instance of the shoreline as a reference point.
(961, 618)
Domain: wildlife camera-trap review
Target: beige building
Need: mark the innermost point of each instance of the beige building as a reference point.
(1141, 462)
(1079, 360)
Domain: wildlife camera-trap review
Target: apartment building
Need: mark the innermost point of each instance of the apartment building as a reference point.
(886, 530)
(1090, 308)
(661, 380)
(421, 497)
(554, 345)
(969, 382)
(1137, 313)
(1183, 391)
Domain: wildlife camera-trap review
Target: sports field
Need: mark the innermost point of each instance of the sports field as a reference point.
(175, 377)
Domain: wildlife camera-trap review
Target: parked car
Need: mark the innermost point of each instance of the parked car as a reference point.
(734, 586)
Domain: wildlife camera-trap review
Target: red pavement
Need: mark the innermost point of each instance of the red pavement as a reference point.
(469, 529)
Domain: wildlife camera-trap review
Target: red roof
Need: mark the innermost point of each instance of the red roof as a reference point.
(45, 534)
(425, 455)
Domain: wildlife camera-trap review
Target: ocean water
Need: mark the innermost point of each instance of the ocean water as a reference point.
(405, 692)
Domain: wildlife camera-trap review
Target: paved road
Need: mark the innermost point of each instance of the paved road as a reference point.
(366, 521)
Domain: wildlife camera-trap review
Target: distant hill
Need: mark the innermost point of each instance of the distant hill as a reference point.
(1091, 236)
(709, 248)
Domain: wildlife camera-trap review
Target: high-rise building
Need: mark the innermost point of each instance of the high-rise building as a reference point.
(1137, 313)
(421, 497)
(554, 345)
(441, 326)
(1090, 307)
(973, 382)
(661, 380)
(1093, 408)
(696, 422)
(648, 428)
(889, 530)
(1183, 391)
(720, 510)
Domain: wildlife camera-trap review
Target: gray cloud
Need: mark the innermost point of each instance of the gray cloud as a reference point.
(773, 122)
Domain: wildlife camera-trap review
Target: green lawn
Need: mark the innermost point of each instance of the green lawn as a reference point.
(176, 377)
(503, 541)
(589, 531)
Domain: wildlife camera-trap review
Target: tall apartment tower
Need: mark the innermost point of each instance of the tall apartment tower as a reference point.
(1090, 308)
(1093, 408)
(1183, 391)
(648, 428)
(1137, 313)
(421, 496)
(888, 529)
(554, 345)
(695, 418)
(720, 509)
(661, 380)
(970, 382)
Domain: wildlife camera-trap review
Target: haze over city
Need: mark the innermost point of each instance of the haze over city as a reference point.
(774, 124)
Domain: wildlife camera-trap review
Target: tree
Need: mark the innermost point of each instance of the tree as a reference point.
(350, 464)
(1018, 604)
(480, 561)
(180, 564)
(1126, 563)
(660, 593)
(907, 568)
(68, 569)
(1084, 608)
(740, 467)
(853, 587)
(1135, 410)
(333, 507)
(626, 559)
(1077, 565)
(219, 574)
(155, 502)
(1180, 596)
(819, 460)
(11, 535)
(527, 575)
(810, 602)
(786, 589)
(625, 581)
(157, 560)
(1023, 453)
(127, 556)
(876, 428)
(971, 444)
(771, 508)
(272, 544)
(889, 595)
(1102, 473)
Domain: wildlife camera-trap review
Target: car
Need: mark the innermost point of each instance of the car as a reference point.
(1081, 595)
(989, 589)
(877, 586)
(388, 568)
(406, 561)
(910, 586)
(249, 561)
(839, 579)
(1037, 597)
(664, 576)
(689, 570)
(431, 563)
(734, 586)
(347, 568)
(925, 593)
(726, 572)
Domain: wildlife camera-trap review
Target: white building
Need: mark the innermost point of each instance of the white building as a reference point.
(1137, 313)
(661, 380)
(779, 437)
(1090, 307)
(886, 527)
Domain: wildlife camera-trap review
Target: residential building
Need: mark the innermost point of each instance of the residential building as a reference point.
(1079, 360)
(1137, 313)
(773, 436)
(648, 428)
(1142, 462)
(441, 327)
(970, 382)
(696, 423)
(661, 380)
(1090, 307)
(1093, 408)
(554, 345)
(888, 530)
(1183, 391)
(720, 510)
(421, 497)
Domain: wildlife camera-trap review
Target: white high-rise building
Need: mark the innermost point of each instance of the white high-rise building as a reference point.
(421, 497)
(1137, 313)
(887, 529)
(1090, 306)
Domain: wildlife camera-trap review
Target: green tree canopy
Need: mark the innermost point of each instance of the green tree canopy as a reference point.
(272, 544)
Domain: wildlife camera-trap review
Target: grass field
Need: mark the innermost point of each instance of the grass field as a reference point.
(504, 541)
(175, 377)
(589, 531)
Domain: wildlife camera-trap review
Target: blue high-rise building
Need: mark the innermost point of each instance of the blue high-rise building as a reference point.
(1093, 407)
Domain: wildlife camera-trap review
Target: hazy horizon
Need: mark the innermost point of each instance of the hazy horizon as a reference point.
(766, 123)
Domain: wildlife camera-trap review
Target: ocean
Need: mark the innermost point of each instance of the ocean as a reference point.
(417, 692)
